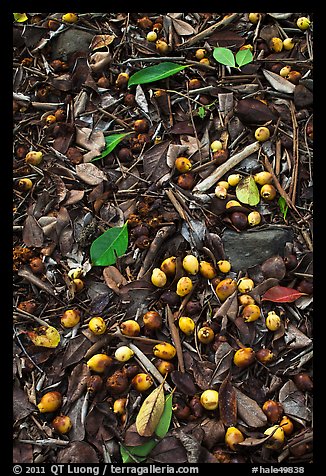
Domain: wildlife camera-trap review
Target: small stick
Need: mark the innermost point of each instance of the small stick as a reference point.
(175, 338)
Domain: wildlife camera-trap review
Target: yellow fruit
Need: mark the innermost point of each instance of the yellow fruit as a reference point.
(223, 183)
(251, 313)
(244, 357)
(288, 44)
(184, 286)
(25, 184)
(158, 278)
(245, 285)
(245, 299)
(186, 325)
(119, 406)
(273, 321)
(69, 18)
(142, 382)
(262, 134)
(75, 273)
(287, 425)
(99, 363)
(207, 270)
(50, 402)
(276, 441)
(164, 351)
(209, 399)
(200, 54)
(205, 61)
(34, 158)
(78, 285)
(183, 164)
(285, 71)
(97, 325)
(62, 424)
(70, 318)
(263, 177)
(268, 192)
(169, 266)
(232, 437)
(276, 44)
(220, 192)
(162, 47)
(164, 366)
(254, 218)
(190, 264)
(225, 288)
(130, 328)
(232, 203)
(216, 145)
(303, 23)
(123, 353)
(224, 266)
(205, 335)
(151, 36)
(234, 179)
(254, 18)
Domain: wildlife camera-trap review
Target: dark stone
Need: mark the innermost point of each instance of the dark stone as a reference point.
(249, 248)
(69, 42)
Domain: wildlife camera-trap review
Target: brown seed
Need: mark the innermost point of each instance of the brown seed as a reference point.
(239, 220)
(303, 381)
(129, 100)
(186, 181)
(264, 355)
(141, 126)
(103, 82)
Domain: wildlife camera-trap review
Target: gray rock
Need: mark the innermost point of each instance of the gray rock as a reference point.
(69, 42)
(252, 247)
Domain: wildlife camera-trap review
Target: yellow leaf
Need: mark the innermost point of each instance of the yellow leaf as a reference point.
(45, 336)
(150, 412)
(20, 17)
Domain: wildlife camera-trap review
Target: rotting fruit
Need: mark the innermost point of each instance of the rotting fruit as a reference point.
(130, 328)
(262, 134)
(70, 318)
(33, 157)
(186, 325)
(276, 441)
(164, 350)
(62, 424)
(152, 320)
(184, 286)
(99, 363)
(190, 264)
(209, 399)
(182, 164)
(244, 357)
(264, 356)
(117, 383)
(245, 299)
(285, 71)
(97, 325)
(50, 402)
(142, 382)
(207, 270)
(251, 313)
(151, 36)
(158, 278)
(200, 54)
(273, 410)
(233, 436)
(205, 335)
(169, 266)
(225, 288)
(123, 353)
(164, 366)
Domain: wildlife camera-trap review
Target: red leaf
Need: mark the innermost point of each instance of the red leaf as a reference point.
(281, 294)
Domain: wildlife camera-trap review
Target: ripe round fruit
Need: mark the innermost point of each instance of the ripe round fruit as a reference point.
(273, 321)
(33, 157)
(78, 285)
(220, 192)
(223, 183)
(141, 126)
(254, 218)
(288, 44)
(205, 335)
(152, 320)
(245, 285)
(276, 44)
(209, 399)
(162, 47)
(224, 266)
(50, 402)
(69, 18)
(70, 318)
(25, 184)
(303, 23)
(142, 382)
(122, 81)
(263, 177)
(232, 203)
(216, 145)
(254, 18)
(245, 300)
(251, 313)
(262, 134)
(285, 71)
(186, 325)
(158, 278)
(75, 273)
(184, 286)
(164, 351)
(169, 266)
(225, 288)
(97, 325)
(119, 406)
(164, 366)
(123, 353)
(151, 36)
(276, 441)
(130, 328)
(190, 264)
(234, 179)
(99, 363)
(244, 357)
(232, 437)
(207, 270)
(62, 424)
(287, 425)
(183, 164)
(200, 54)
(268, 192)
(205, 61)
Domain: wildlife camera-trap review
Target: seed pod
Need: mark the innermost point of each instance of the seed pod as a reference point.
(50, 402)
(117, 383)
(78, 285)
(284, 72)
(158, 278)
(273, 321)
(205, 335)
(268, 192)
(169, 266)
(119, 406)
(262, 134)
(224, 266)
(209, 399)
(130, 328)
(164, 366)
(244, 357)
(186, 325)
(287, 425)
(245, 285)
(251, 313)
(254, 218)
(97, 325)
(70, 318)
(194, 83)
(123, 353)
(183, 164)
(225, 288)
(184, 286)
(164, 351)
(207, 270)
(264, 356)
(62, 424)
(99, 363)
(276, 441)
(190, 264)
(142, 382)
(232, 437)
(75, 273)
(34, 158)
(205, 61)
(294, 77)
(273, 410)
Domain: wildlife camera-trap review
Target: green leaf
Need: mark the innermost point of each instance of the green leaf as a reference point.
(164, 423)
(243, 57)
(201, 112)
(224, 56)
(138, 452)
(20, 17)
(283, 206)
(111, 142)
(247, 191)
(155, 73)
(107, 247)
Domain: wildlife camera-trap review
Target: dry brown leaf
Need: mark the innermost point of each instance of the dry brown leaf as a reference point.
(150, 412)
(32, 232)
(99, 41)
(90, 174)
(113, 278)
